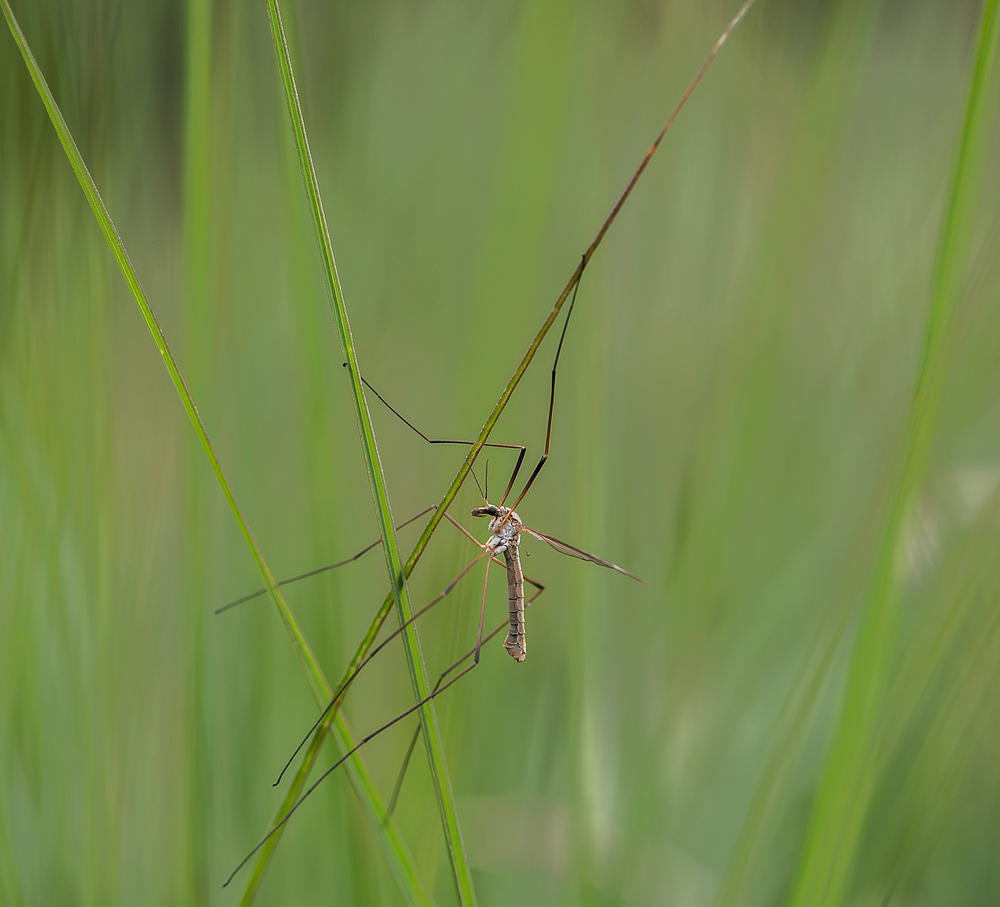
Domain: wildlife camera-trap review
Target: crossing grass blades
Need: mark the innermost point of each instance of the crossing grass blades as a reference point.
(505, 525)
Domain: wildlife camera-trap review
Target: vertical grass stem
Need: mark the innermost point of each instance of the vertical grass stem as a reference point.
(394, 565)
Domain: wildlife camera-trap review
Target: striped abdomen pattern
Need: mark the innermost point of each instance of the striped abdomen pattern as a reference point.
(515, 643)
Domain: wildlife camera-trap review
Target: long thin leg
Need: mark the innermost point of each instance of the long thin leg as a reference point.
(306, 575)
(340, 761)
(338, 695)
(463, 530)
(438, 689)
(394, 799)
(416, 731)
(518, 447)
(349, 560)
(482, 614)
(552, 395)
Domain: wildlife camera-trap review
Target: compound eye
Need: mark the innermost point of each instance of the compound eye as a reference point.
(492, 510)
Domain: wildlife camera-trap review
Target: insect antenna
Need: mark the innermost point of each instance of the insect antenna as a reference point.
(480, 487)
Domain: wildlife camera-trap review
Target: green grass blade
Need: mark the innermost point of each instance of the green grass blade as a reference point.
(849, 775)
(394, 564)
(399, 859)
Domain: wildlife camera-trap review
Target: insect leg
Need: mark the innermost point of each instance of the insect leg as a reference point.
(552, 395)
(518, 447)
(339, 694)
(482, 613)
(281, 822)
(416, 731)
(307, 574)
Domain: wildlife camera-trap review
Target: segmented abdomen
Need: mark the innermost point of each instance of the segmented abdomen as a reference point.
(515, 642)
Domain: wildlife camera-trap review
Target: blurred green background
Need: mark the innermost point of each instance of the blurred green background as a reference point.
(731, 398)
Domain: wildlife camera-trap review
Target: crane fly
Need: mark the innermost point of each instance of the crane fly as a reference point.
(505, 525)
(506, 529)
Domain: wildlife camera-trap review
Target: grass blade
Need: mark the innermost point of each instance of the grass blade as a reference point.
(394, 564)
(399, 859)
(849, 775)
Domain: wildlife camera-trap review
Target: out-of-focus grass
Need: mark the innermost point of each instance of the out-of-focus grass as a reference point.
(395, 851)
(849, 776)
(731, 394)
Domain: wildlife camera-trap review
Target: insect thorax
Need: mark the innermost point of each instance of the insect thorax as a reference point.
(508, 532)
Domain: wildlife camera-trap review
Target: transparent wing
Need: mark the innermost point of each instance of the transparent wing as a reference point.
(564, 548)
